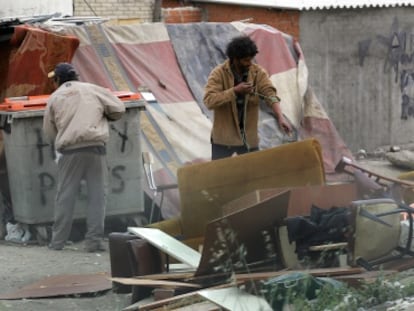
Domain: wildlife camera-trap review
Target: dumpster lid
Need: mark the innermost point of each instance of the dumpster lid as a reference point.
(38, 102)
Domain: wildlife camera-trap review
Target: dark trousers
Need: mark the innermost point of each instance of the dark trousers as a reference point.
(222, 151)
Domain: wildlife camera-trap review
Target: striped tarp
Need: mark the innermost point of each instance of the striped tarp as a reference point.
(173, 61)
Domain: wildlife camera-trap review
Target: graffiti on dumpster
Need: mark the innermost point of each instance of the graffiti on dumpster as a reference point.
(116, 173)
(47, 182)
(123, 135)
(399, 60)
(46, 156)
(40, 144)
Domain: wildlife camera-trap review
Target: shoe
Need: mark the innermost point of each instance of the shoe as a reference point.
(55, 247)
(94, 246)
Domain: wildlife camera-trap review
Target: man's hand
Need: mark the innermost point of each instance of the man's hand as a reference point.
(284, 125)
(243, 88)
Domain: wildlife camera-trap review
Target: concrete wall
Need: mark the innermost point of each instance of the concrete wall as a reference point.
(361, 67)
(13, 8)
(136, 10)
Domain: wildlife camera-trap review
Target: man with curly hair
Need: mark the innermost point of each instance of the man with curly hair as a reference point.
(233, 92)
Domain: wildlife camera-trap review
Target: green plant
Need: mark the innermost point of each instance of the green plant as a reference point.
(345, 298)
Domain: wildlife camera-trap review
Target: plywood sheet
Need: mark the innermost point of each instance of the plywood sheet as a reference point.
(249, 227)
(235, 299)
(169, 245)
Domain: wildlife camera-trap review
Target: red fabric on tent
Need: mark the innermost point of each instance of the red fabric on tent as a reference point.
(154, 65)
(333, 147)
(274, 54)
(5, 50)
(90, 69)
(35, 52)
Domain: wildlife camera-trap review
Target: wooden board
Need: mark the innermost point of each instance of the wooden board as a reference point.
(153, 283)
(168, 244)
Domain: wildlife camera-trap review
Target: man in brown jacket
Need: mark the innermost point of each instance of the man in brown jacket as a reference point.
(76, 119)
(233, 91)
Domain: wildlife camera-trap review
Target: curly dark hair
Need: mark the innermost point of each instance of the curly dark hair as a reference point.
(241, 47)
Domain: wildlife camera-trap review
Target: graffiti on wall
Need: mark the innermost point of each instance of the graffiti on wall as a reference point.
(399, 60)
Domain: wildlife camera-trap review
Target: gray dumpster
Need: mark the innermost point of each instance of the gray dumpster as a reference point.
(32, 168)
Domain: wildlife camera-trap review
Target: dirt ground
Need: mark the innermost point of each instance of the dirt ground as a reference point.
(22, 265)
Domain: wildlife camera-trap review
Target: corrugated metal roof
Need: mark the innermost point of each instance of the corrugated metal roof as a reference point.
(314, 4)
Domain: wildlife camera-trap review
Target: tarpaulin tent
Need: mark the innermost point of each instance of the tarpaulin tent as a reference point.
(173, 62)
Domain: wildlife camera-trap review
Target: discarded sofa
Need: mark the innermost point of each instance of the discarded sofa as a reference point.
(205, 187)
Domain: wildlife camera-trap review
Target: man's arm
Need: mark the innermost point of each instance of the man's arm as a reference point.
(49, 126)
(268, 91)
(283, 124)
(114, 108)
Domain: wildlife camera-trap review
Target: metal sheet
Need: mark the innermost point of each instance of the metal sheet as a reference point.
(311, 4)
(62, 285)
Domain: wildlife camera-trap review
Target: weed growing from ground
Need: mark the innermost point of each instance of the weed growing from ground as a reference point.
(345, 298)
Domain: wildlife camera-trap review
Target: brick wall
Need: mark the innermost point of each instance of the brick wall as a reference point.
(285, 20)
(171, 3)
(181, 15)
(179, 11)
(138, 10)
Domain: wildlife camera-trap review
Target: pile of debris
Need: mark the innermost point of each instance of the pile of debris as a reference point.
(265, 252)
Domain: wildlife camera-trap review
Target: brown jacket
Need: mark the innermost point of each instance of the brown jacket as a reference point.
(220, 97)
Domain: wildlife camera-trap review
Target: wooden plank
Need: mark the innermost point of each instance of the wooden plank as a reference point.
(331, 272)
(356, 280)
(153, 283)
(161, 303)
(328, 247)
(167, 276)
(316, 272)
(399, 264)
